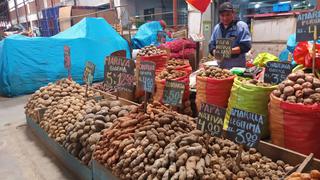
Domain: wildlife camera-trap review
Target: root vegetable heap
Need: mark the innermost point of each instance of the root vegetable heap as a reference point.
(215, 72)
(171, 74)
(299, 88)
(174, 63)
(51, 94)
(151, 51)
(138, 140)
(314, 175)
(255, 82)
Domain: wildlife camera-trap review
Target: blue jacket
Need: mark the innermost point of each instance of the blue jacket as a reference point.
(239, 32)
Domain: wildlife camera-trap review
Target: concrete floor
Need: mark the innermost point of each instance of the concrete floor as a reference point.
(22, 156)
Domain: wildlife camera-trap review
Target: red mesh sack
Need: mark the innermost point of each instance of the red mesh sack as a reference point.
(303, 54)
(186, 53)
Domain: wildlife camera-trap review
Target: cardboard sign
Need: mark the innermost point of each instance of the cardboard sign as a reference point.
(210, 119)
(89, 72)
(67, 63)
(119, 73)
(276, 72)
(305, 26)
(197, 37)
(173, 93)
(223, 48)
(161, 37)
(147, 75)
(245, 128)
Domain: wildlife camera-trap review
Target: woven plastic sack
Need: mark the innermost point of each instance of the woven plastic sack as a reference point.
(249, 98)
(185, 68)
(295, 126)
(263, 58)
(213, 91)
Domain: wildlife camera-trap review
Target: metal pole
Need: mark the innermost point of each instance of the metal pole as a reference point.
(26, 14)
(37, 11)
(16, 10)
(175, 14)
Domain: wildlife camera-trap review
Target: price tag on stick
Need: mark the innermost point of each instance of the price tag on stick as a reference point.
(276, 72)
(223, 48)
(210, 119)
(146, 79)
(67, 60)
(173, 93)
(119, 73)
(245, 128)
(88, 74)
(307, 24)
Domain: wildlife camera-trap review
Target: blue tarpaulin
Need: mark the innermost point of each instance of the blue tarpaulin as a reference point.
(147, 35)
(26, 63)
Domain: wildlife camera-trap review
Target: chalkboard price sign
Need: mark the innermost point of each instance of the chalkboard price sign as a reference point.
(210, 119)
(276, 72)
(173, 93)
(306, 24)
(223, 48)
(245, 128)
(119, 73)
(147, 75)
(89, 72)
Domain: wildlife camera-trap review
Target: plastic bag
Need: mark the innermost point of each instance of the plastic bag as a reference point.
(295, 126)
(291, 43)
(249, 98)
(263, 58)
(303, 54)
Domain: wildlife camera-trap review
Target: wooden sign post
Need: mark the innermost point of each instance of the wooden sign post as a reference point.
(307, 30)
(88, 75)
(223, 48)
(210, 119)
(147, 78)
(173, 93)
(276, 72)
(119, 74)
(67, 60)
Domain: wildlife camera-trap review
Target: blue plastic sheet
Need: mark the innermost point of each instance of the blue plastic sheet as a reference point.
(26, 63)
(147, 35)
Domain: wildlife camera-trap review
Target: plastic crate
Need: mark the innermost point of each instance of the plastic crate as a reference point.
(282, 7)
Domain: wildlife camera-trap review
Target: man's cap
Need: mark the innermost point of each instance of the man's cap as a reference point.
(226, 6)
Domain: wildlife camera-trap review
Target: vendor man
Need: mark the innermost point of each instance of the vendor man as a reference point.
(238, 31)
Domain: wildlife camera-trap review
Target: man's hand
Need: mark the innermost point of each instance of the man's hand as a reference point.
(236, 50)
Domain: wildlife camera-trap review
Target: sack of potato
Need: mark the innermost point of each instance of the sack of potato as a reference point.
(180, 65)
(294, 113)
(252, 96)
(213, 86)
(176, 75)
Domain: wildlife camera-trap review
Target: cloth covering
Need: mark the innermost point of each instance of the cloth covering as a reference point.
(26, 63)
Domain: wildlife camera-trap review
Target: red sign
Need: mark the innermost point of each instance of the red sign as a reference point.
(201, 5)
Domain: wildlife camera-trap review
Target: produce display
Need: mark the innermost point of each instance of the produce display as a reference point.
(214, 72)
(173, 63)
(255, 82)
(314, 175)
(49, 95)
(299, 87)
(151, 51)
(138, 140)
(103, 88)
(171, 74)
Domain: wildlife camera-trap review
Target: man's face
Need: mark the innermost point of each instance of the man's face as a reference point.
(226, 17)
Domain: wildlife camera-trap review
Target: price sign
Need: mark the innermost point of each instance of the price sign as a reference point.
(276, 72)
(223, 48)
(89, 72)
(210, 119)
(146, 75)
(245, 127)
(306, 24)
(173, 93)
(119, 73)
(67, 63)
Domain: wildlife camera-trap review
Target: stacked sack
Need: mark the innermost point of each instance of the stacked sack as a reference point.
(180, 48)
(294, 113)
(252, 96)
(213, 86)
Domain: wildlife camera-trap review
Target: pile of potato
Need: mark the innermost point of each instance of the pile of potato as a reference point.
(313, 175)
(255, 82)
(151, 51)
(170, 74)
(214, 72)
(299, 87)
(138, 140)
(173, 63)
(85, 133)
(51, 94)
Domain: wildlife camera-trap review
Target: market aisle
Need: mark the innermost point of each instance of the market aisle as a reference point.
(22, 157)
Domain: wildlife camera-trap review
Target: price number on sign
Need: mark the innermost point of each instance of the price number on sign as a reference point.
(209, 127)
(172, 97)
(89, 72)
(276, 78)
(147, 83)
(246, 138)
